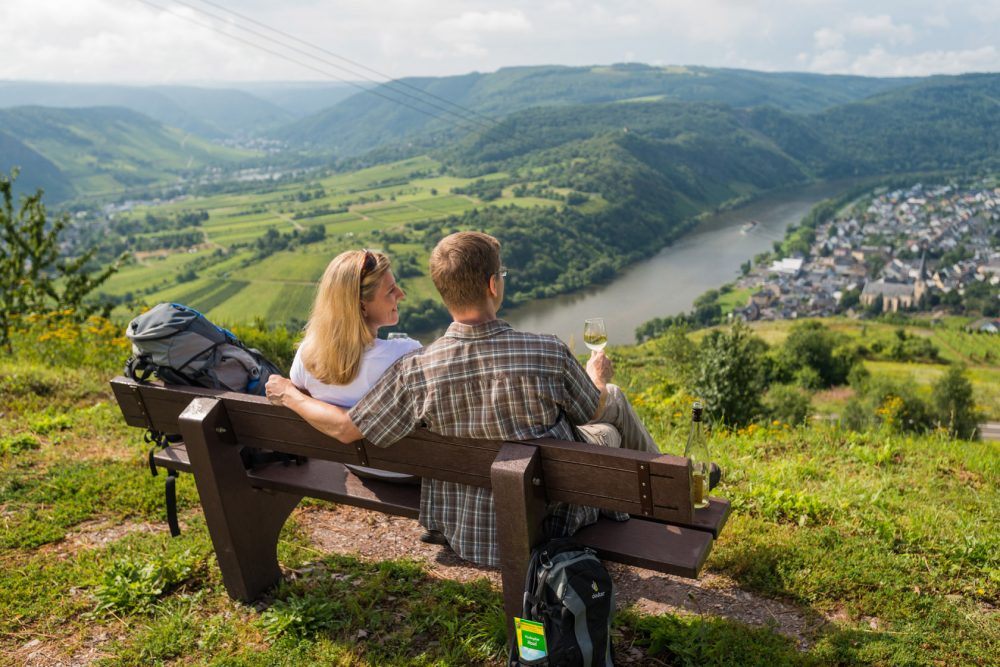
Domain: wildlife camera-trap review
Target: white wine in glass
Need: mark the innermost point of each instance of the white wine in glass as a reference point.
(595, 336)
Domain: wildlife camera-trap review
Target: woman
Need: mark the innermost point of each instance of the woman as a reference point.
(341, 356)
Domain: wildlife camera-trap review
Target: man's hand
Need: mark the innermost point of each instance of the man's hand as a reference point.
(599, 368)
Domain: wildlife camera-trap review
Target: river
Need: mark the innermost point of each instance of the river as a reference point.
(668, 283)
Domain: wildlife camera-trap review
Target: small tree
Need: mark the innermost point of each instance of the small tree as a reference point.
(730, 374)
(33, 276)
(953, 404)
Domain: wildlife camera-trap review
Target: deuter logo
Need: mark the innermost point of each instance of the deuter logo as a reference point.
(598, 593)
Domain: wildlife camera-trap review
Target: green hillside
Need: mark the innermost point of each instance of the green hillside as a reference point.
(366, 121)
(211, 113)
(102, 151)
(37, 170)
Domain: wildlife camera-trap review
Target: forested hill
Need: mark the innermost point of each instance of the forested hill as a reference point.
(211, 113)
(70, 152)
(938, 123)
(366, 121)
(942, 123)
(653, 165)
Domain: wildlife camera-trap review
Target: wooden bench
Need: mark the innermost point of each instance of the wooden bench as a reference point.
(246, 509)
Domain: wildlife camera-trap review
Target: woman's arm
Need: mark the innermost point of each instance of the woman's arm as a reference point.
(329, 419)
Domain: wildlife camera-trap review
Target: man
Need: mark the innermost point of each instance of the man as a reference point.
(483, 380)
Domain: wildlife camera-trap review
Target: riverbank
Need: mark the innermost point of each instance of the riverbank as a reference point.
(708, 256)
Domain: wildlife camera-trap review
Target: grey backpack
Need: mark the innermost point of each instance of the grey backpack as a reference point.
(181, 346)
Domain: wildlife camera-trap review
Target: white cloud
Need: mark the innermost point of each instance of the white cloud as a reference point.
(937, 21)
(988, 12)
(512, 21)
(878, 62)
(827, 38)
(881, 27)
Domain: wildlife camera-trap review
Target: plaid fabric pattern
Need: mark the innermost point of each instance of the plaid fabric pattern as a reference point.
(481, 381)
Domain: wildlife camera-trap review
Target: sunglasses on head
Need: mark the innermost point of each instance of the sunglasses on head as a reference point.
(368, 264)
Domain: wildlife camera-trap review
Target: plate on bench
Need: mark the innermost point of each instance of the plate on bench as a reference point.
(382, 475)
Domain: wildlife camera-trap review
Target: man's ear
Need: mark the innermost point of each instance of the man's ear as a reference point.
(494, 287)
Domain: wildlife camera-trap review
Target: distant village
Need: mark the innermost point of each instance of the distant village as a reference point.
(910, 249)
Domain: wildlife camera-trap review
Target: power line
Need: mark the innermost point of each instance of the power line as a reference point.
(326, 62)
(391, 80)
(470, 125)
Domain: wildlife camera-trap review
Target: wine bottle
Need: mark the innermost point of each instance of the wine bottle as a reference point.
(697, 451)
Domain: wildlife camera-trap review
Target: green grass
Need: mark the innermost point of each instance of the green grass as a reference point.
(886, 544)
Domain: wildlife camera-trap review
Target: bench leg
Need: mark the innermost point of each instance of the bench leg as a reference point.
(520, 507)
(243, 522)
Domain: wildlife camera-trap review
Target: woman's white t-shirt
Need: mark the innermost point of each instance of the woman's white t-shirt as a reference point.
(375, 361)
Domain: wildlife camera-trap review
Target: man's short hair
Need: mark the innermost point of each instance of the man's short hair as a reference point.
(461, 266)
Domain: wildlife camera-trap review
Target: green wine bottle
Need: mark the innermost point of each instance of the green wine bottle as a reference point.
(697, 451)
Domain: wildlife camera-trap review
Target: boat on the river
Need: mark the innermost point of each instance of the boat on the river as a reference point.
(747, 227)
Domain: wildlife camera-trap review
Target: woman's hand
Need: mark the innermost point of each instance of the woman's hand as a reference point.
(599, 368)
(280, 390)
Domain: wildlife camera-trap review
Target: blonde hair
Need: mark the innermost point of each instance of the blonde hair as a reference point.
(336, 335)
(461, 266)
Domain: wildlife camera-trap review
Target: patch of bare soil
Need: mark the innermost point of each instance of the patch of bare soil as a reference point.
(99, 533)
(61, 651)
(834, 394)
(374, 536)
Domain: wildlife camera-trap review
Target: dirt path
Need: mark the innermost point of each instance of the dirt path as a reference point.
(375, 536)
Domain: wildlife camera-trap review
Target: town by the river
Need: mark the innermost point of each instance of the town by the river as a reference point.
(668, 283)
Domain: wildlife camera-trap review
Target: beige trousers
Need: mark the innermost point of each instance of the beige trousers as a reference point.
(617, 425)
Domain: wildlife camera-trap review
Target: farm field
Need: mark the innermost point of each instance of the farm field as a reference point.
(234, 281)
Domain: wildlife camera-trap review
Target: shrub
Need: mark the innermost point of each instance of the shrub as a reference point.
(891, 405)
(787, 404)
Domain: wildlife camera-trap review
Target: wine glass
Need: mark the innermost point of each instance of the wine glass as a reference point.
(595, 335)
(396, 334)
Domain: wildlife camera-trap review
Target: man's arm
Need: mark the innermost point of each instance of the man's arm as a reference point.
(329, 419)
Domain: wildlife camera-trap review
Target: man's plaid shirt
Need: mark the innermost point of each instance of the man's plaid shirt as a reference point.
(481, 381)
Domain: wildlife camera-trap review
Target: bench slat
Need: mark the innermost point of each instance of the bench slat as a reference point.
(332, 481)
(655, 546)
(173, 457)
(711, 519)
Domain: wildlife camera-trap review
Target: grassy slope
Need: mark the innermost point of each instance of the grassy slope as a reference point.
(890, 539)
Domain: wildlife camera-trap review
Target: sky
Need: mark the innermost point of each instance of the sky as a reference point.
(175, 41)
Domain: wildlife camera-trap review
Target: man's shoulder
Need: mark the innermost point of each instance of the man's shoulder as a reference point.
(547, 340)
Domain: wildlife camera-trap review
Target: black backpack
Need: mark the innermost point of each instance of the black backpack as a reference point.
(569, 591)
(180, 346)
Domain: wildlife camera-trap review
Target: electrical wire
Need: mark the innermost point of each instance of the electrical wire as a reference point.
(391, 81)
(468, 124)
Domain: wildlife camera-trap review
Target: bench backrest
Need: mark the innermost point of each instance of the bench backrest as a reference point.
(650, 485)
